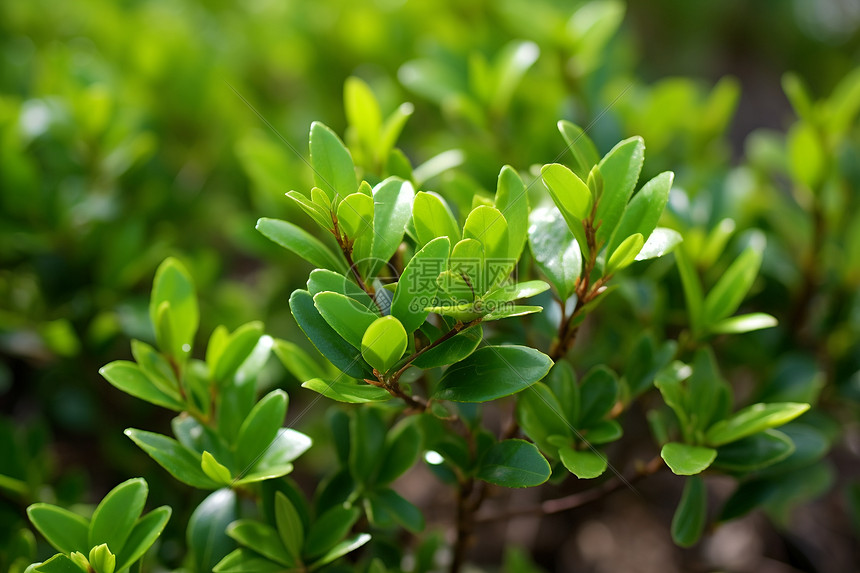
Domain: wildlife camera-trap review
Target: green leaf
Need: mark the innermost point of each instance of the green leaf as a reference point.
(290, 527)
(513, 463)
(383, 343)
(625, 254)
(554, 249)
(173, 285)
(644, 210)
(343, 548)
(298, 362)
(488, 226)
(101, 559)
(620, 171)
(513, 203)
(493, 372)
(753, 419)
(330, 528)
(392, 209)
(334, 171)
(806, 156)
(507, 310)
(692, 288)
(604, 432)
(146, 530)
(316, 212)
(754, 452)
(129, 378)
(64, 530)
(688, 522)
(321, 280)
(367, 433)
(215, 470)
(302, 243)
(433, 218)
(572, 197)
(355, 215)
(516, 291)
(208, 542)
(452, 350)
(114, 518)
(417, 284)
(687, 460)
(236, 350)
(402, 446)
(260, 427)
(598, 394)
(466, 264)
(261, 538)
(388, 502)
(59, 563)
(362, 112)
(540, 415)
(247, 561)
(661, 242)
(584, 464)
(581, 148)
(726, 296)
(341, 353)
(156, 368)
(179, 461)
(743, 323)
(349, 392)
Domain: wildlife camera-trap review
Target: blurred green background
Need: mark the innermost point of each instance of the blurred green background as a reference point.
(123, 141)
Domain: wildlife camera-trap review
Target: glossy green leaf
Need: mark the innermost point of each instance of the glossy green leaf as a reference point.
(355, 215)
(179, 461)
(572, 197)
(743, 323)
(297, 240)
(554, 249)
(362, 111)
(584, 464)
(661, 242)
(467, 265)
(512, 202)
(598, 394)
(289, 526)
(753, 419)
(237, 348)
(417, 284)
(620, 171)
(114, 518)
(349, 318)
(754, 452)
(392, 209)
(625, 254)
(261, 538)
(488, 226)
(129, 378)
(452, 350)
(173, 285)
(687, 460)
(516, 291)
(321, 280)
(334, 171)
(207, 539)
(341, 353)
(383, 343)
(101, 559)
(581, 148)
(688, 522)
(433, 218)
(493, 372)
(330, 528)
(143, 535)
(644, 210)
(345, 547)
(507, 310)
(59, 563)
(513, 463)
(349, 392)
(726, 296)
(64, 530)
(260, 427)
(215, 470)
(319, 214)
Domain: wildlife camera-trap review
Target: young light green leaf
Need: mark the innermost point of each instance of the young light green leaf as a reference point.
(64, 530)
(581, 147)
(507, 310)
(570, 194)
(753, 419)
(806, 156)
(302, 243)
(146, 530)
(334, 171)
(433, 218)
(391, 130)
(321, 280)
(513, 463)
(383, 343)
(260, 427)
(554, 249)
(620, 171)
(493, 372)
(179, 461)
(362, 112)
(467, 263)
(743, 323)
(215, 470)
(644, 210)
(584, 464)
(115, 516)
(417, 283)
(488, 226)
(173, 285)
(349, 318)
(392, 209)
(129, 378)
(348, 392)
(319, 214)
(355, 215)
(687, 460)
(726, 296)
(661, 242)
(237, 348)
(341, 353)
(688, 523)
(625, 254)
(513, 203)
(516, 291)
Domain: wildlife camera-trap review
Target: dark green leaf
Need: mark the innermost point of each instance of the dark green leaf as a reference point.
(493, 372)
(330, 528)
(246, 561)
(290, 527)
(689, 520)
(540, 415)
(367, 433)
(754, 452)
(598, 394)
(129, 378)
(207, 539)
(59, 564)
(401, 511)
(343, 548)
(402, 446)
(513, 463)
